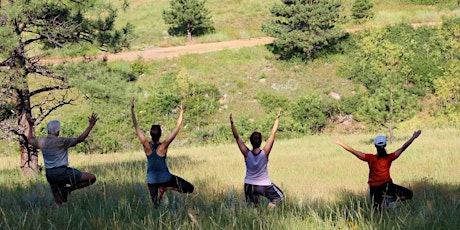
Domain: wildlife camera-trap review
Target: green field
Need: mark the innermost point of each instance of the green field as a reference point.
(325, 188)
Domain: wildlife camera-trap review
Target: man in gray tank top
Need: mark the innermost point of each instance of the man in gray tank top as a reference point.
(60, 176)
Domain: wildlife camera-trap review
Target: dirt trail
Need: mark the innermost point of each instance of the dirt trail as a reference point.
(170, 52)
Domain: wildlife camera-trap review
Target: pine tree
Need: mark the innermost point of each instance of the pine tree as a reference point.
(361, 10)
(188, 17)
(29, 86)
(304, 27)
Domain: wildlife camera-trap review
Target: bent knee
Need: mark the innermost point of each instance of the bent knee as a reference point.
(88, 177)
(409, 195)
(189, 189)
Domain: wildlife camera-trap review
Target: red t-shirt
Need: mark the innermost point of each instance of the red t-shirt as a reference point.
(379, 169)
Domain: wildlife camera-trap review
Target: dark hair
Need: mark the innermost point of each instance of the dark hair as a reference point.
(256, 139)
(155, 132)
(381, 152)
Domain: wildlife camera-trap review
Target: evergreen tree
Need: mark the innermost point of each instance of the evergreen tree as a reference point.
(188, 17)
(304, 27)
(29, 86)
(361, 10)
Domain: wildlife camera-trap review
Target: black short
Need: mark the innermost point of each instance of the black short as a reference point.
(63, 177)
(388, 189)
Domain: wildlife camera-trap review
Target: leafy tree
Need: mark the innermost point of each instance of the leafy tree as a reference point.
(304, 27)
(30, 86)
(188, 17)
(447, 86)
(448, 91)
(450, 35)
(381, 65)
(361, 10)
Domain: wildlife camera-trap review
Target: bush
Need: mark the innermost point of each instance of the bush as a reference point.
(312, 112)
(271, 101)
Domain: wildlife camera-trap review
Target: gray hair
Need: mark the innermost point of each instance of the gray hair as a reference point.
(53, 127)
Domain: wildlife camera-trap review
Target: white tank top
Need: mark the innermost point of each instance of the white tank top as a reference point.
(256, 169)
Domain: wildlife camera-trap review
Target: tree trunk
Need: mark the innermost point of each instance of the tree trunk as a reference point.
(390, 128)
(29, 160)
(29, 155)
(189, 34)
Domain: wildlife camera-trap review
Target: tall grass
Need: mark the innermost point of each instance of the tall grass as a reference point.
(325, 188)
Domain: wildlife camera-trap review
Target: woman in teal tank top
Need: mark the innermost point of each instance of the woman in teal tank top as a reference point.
(159, 179)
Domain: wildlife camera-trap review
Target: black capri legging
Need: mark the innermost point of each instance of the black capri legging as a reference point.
(180, 184)
(389, 189)
(271, 192)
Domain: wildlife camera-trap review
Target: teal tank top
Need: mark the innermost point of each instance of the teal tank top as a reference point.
(157, 169)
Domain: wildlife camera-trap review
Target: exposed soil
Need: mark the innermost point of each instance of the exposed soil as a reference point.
(169, 52)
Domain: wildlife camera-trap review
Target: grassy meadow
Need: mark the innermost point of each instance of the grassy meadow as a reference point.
(325, 188)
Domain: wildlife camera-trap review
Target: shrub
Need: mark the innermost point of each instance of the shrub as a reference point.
(271, 101)
(312, 112)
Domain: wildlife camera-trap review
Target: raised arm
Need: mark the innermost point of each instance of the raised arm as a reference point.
(92, 121)
(268, 146)
(140, 135)
(243, 148)
(357, 153)
(162, 150)
(408, 142)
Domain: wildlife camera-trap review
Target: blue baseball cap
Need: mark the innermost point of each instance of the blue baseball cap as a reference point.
(380, 141)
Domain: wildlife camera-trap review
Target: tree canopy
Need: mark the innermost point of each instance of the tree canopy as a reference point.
(31, 88)
(399, 66)
(188, 17)
(304, 27)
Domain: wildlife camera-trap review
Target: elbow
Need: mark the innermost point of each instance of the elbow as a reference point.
(81, 139)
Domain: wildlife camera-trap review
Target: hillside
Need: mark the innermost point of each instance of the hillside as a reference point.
(243, 72)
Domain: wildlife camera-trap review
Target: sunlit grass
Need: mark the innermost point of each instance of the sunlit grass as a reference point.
(325, 188)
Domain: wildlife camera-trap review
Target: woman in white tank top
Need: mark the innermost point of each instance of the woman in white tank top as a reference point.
(257, 182)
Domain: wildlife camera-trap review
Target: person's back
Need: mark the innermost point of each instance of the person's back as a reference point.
(256, 168)
(379, 168)
(157, 168)
(55, 149)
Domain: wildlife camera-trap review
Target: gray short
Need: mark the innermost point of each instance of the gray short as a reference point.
(63, 177)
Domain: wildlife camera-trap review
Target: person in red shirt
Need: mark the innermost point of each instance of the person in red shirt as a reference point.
(380, 183)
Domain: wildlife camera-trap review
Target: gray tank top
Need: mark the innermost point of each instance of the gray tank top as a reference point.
(256, 169)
